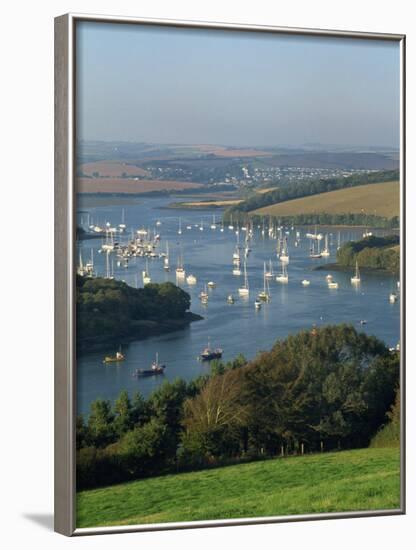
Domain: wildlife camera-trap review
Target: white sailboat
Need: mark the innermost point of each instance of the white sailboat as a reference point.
(264, 295)
(313, 253)
(180, 270)
(180, 227)
(284, 254)
(244, 289)
(122, 225)
(166, 266)
(283, 277)
(213, 225)
(146, 275)
(203, 295)
(270, 273)
(108, 274)
(325, 252)
(356, 279)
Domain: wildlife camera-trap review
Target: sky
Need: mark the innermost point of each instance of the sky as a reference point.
(197, 86)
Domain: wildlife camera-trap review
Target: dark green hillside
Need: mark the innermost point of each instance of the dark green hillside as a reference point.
(108, 310)
(372, 252)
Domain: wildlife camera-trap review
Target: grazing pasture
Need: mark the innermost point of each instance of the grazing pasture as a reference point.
(380, 199)
(364, 479)
(111, 169)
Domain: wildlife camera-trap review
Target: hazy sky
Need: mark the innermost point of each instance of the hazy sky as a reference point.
(167, 85)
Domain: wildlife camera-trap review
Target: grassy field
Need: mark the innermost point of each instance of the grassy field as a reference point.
(123, 185)
(381, 199)
(332, 482)
(112, 169)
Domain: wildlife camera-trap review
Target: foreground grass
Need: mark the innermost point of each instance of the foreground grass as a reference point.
(382, 199)
(365, 479)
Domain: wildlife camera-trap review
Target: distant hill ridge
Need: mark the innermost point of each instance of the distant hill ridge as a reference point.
(298, 190)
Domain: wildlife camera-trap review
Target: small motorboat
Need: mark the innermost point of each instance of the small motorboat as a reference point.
(114, 358)
(191, 280)
(257, 304)
(393, 298)
(306, 282)
(230, 299)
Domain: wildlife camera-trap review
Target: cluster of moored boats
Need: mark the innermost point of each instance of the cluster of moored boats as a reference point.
(157, 368)
(146, 243)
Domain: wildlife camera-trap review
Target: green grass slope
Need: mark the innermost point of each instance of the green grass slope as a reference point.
(365, 479)
(381, 199)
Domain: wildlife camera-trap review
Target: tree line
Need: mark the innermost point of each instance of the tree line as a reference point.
(318, 390)
(299, 189)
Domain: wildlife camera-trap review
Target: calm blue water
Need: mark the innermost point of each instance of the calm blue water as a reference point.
(237, 328)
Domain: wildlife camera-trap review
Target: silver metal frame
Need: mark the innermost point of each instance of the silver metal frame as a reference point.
(65, 367)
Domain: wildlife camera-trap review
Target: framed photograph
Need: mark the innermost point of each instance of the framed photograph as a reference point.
(229, 256)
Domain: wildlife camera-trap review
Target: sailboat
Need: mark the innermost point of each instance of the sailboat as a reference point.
(284, 254)
(108, 272)
(180, 227)
(313, 254)
(145, 274)
(166, 258)
(180, 270)
(264, 295)
(81, 270)
(270, 274)
(231, 226)
(244, 290)
(89, 266)
(203, 295)
(213, 225)
(339, 240)
(283, 277)
(325, 252)
(356, 279)
(201, 227)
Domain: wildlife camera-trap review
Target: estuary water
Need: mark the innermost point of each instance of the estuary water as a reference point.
(239, 327)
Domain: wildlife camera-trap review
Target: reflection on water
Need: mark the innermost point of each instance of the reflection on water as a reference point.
(237, 328)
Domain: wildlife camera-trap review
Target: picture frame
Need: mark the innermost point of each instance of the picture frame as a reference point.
(65, 403)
